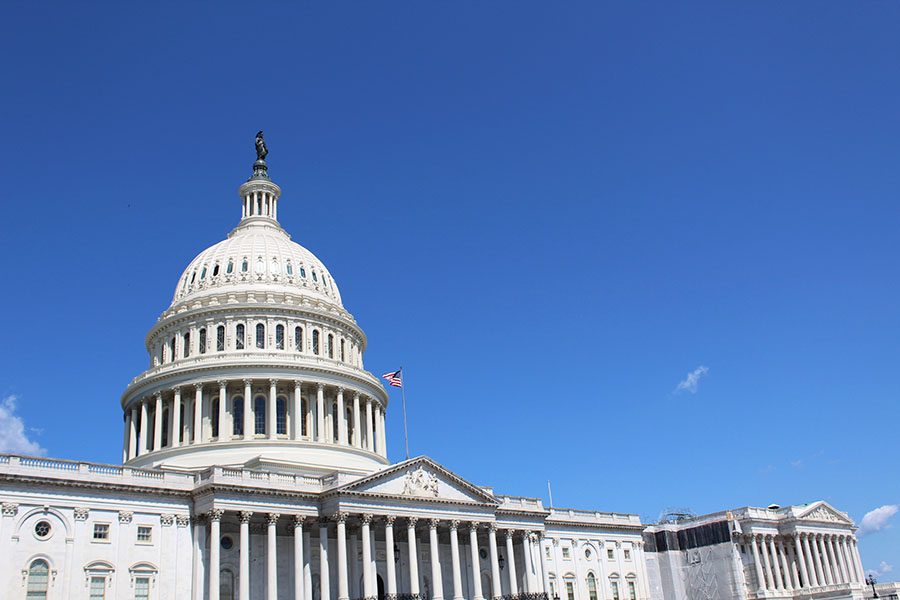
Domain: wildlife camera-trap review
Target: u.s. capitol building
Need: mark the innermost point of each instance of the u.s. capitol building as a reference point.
(255, 466)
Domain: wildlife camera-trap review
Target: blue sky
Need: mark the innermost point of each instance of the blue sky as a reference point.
(549, 214)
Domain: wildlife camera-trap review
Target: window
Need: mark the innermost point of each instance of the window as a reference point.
(587, 553)
(220, 338)
(290, 269)
(260, 265)
(230, 268)
(315, 342)
(334, 421)
(592, 586)
(203, 273)
(570, 589)
(98, 588)
(342, 350)
(547, 552)
(316, 279)
(615, 590)
(214, 417)
(101, 531)
(172, 350)
(567, 553)
(244, 265)
(42, 529)
(626, 553)
(141, 588)
(226, 585)
(144, 534)
(610, 553)
(281, 416)
(302, 417)
(239, 336)
(38, 580)
(632, 592)
(552, 586)
(260, 335)
(279, 337)
(186, 349)
(302, 272)
(165, 427)
(216, 270)
(259, 414)
(330, 346)
(203, 341)
(298, 339)
(237, 412)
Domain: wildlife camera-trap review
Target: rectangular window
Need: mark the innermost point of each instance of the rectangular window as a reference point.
(342, 351)
(98, 588)
(220, 338)
(610, 553)
(239, 337)
(101, 531)
(202, 341)
(144, 534)
(547, 551)
(279, 337)
(259, 416)
(567, 554)
(615, 590)
(632, 592)
(141, 588)
(186, 348)
(626, 552)
(570, 590)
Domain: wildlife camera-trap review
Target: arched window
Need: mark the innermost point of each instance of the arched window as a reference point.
(38, 580)
(315, 341)
(298, 339)
(260, 335)
(632, 590)
(226, 585)
(239, 336)
(259, 415)
(290, 269)
(553, 591)
(230, 268)
(279, 337)
(592, 586)
(214, 417)
(186, 348)
(244, 265)
(316, 279)
(260, 265)
(281, 416)
(303, 272)
(165, 427)
(614, 587)
(162, 353)
(342, 349)
(203, 273)
(302, 416)
(202, 340)
(216, 270)
(330, 346)
(220, 338)
(237, 415)
(336, 417)
(569, 582)
(172, 350)
(178, 434)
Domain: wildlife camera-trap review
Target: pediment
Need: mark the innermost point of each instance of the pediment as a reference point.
(419, 478)
(822, 511)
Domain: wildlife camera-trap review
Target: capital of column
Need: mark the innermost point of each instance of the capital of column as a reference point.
(454, 525)
(320, 386)
(356, 395)
(198, 386)
(339, 517)
(245, 515)
(299, 520)
(272, 518)
(433, 523)
(411, 522)
(510, 533)
(367, 518)
(222, 383)
(473, 526)
(273, 381)
(297, 384)
(555, 541)
(176, 389)
(247, 382)
(389, 520)
(492, 527)
(215, 514)
(158, 395)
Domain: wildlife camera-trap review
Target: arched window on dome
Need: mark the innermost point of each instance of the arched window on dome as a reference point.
(239, 336)
(203, 273)
(216, 270)
(279, 337)
(260, 265)
(202, 340)
(237, 415)
(244, 265)
(303, 272)
(315, 278)
(330, 346)
(38, 580)
(592, 586)
(315, 342)
(162, 353)
(229, 269)
(165, 427)
(259, 415)
(281, 416)
(220, 338)
(342, 350)
(214, 417)
(298, 339)
(260, 335)
(290, 269)
(193, 277)
(186, 348)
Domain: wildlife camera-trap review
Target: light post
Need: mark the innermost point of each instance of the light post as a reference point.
(870, 579)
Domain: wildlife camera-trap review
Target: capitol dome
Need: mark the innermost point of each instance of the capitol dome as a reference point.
(256, 361)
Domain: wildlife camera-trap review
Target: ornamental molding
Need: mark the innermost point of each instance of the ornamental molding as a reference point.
(167, 520)
(182, 520)
(125, 517)
(10, 509)
(419, 482)
(81, 513)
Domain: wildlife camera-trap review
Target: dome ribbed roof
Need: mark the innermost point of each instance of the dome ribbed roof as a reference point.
(256, 257)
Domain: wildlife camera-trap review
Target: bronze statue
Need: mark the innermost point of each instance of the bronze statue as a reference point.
(261, 150)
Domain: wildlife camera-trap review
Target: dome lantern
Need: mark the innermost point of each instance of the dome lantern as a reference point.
(259, 194)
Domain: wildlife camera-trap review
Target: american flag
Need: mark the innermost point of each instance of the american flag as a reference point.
(394, 378)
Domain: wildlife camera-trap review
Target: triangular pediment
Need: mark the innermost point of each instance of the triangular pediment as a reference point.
(822, 511)
(419, 478)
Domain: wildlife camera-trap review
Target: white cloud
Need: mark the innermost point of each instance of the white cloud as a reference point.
(885, 567)
(877, 519)
(12, 430)
(690, 383)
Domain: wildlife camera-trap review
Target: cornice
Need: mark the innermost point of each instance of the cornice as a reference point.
(94, 485)
(341, 493)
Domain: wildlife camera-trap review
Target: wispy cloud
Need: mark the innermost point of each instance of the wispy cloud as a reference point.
(877, 519)
(12, 430)
(692, 380)
(883, 569)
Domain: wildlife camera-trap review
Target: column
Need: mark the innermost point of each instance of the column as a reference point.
(297, 415)
(223, 406)
(529, 570)
(438, 593)
(817, 559)
(215, 516)
(132, 433)
(355, 587)
(343, 590)
(812, 570)
(370, 443)
(176, 418)
(271, 558)
(785, 566)
(839, 558)
(376, 440)
(126, 440)
(833, 566)
(798, 552)
(545, 584)
(826, 568)
(248, 409)
(454, 560)
(779, 582)
(324, 587)
(198, 413)
(367, 556)
(272, 410)
(413, 557)
(390, 565)
(199, 544)
(760, 577)
(157, 422)
(341, 417)
(511, 563)
(476, 561)
(495, 563)
(298, 558)
(244, 573)
(142, 435)
(307, 567)
(357, 432)
(857, 561)
(848, 565)
(381, 426)
(320, 416)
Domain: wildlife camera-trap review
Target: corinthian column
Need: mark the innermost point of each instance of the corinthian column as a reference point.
(341, 418)
(343, 588)
(248, 410)
(511, 563)
(198, 413)
(370, 442)
(215, 516)
(222, 434)
(760, 578)
(176, 418)
(320, 416)
(413, 557)
(798, 551)
(271, 413)
(132, 433)
(529, 571)
(142, 435)
(476, 572)
(271, 558)
(357, 432)
(298, 558)
(435, 559)
(244, 581)
(390, 565)
(297, 415)
(324, 587)
(495, 563)
(157, 422)
(367, 556)
(454, 560)
(777, 571)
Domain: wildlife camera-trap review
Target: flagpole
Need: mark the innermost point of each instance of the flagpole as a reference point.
(403, 395)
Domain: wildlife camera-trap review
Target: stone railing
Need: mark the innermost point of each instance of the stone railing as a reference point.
(30, 466)
(520, 503)
(593, 517)
(251, 478)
